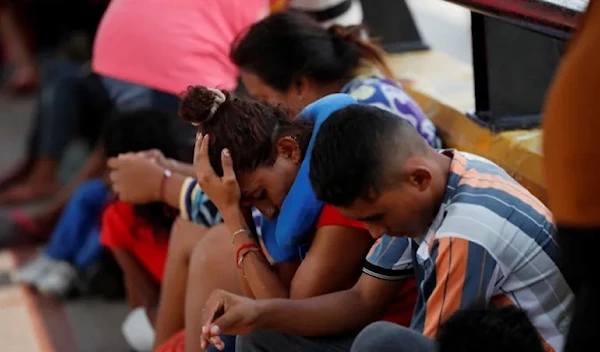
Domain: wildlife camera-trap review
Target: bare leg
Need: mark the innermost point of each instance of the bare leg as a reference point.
(13, 39)
(17, 173)
(94, 167)
(41, 183)
(212, 267)
(170, 319)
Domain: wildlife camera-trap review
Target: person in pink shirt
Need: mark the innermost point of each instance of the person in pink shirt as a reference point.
(168, 45)
(148, 51)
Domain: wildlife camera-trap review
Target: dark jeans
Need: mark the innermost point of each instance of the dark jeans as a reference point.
(377, 337)
(76, 236)
(388, 337)
(130, 96)
(273, 341)
(62, 109)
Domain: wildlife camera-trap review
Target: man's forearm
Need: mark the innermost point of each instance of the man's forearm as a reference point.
(323, 315)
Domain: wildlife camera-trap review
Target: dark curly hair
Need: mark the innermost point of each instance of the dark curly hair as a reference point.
(249, 128)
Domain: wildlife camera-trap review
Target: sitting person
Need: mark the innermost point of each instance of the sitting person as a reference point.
(290, 269)
(288, 58)
(491, 329)
(139, 245)
(75, 242)
(472, 231)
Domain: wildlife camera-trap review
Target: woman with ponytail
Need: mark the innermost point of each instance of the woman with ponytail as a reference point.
(288, 58)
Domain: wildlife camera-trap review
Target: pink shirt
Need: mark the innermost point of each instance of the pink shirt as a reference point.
(170, 44)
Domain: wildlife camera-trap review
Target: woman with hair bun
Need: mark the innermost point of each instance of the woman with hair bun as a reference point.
(250, 154)
(288, 58)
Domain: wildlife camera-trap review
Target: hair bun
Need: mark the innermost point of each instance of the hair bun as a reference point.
(200, 104)
(354, 33)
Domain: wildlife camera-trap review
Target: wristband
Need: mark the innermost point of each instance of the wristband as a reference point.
(245, 249)
(163, 183)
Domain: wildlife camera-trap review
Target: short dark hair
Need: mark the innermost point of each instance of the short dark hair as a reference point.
(287, 45)
(136, 131)
(491, 329)
(350, 151)
(139, 130)
(248, 127)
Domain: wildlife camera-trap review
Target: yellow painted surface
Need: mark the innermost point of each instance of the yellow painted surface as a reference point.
(443, 87)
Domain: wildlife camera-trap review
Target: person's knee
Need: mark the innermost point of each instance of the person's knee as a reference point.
(259, 340)
(184, 237)
(211, 249)
(93, 191)
(384, 336)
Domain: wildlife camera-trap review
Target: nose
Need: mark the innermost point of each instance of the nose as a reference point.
(376, 231)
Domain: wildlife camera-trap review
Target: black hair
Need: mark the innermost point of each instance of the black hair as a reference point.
(490, 329)
(288, 45)
(136, 131)
(350, 152)
(248, 127)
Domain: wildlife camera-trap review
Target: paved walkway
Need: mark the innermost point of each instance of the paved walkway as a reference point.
(31, 323)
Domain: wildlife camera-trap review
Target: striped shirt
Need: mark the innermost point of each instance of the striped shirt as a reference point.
(491, 240)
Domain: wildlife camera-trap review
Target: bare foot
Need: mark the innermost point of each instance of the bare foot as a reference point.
(28, 192)
(19, 228)
(24, 80)
(17, 174)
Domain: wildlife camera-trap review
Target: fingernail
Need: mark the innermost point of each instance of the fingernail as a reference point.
(226, 152)
(198, 135)
(215, 330)
(203, 344)
(204, 329)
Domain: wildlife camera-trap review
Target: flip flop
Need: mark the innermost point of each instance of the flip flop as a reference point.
(17, 228)
(21, 194)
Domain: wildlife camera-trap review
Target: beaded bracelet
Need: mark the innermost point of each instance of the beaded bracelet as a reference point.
(245, 249)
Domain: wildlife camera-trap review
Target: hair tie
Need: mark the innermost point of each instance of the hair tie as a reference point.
(217, 101)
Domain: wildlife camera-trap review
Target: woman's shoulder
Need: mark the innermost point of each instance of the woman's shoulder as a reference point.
(367, 87)
(384, 93)
(389, 95)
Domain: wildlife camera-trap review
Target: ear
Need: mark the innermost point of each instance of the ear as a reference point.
(417, 173)
(420, 177)
(302, 86)
(288, 148)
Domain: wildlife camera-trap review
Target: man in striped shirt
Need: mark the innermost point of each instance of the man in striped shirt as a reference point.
(467, 230)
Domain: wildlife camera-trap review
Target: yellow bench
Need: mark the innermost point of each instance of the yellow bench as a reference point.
(444, 88)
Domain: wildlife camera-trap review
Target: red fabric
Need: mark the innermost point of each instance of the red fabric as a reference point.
(331, 216)
(122, 229)
(401, 310)
(175, 344)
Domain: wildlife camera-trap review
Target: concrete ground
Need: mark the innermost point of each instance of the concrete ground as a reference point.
(95, 324)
